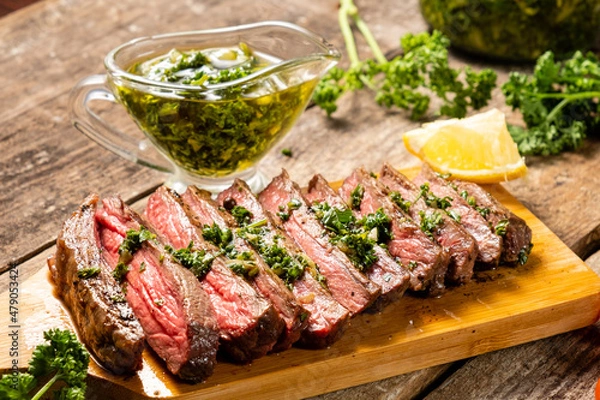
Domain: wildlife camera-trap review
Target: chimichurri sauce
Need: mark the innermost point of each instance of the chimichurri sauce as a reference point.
(225, 130)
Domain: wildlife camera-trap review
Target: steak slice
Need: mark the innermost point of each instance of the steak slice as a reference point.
(83, 280)
(327, 318)
(207, 212)
(489, 244)
(283, 198)
(425, 260)
(167, 299)
(459, 244)
(249, 326)
(516, 237)
(384, 271)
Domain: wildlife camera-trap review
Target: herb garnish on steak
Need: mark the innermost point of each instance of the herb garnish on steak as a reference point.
(248, 325)
(104, 321)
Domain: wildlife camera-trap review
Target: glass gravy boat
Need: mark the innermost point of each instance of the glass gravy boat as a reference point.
(210, 134)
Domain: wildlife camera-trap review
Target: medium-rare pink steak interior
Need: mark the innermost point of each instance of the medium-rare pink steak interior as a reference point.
(516, 235)
(460, 245)
(217, 222)
(167, 299)
(249, 326)
(104, 320)
(382, 268)
(489, 244)
(259, 273)
(327, 319)
(349, 287)
(424, 258)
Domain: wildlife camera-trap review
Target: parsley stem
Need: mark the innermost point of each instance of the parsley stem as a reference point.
(566, 99)
(569, 96)
(347, 7)
(47, 386)
(366, 32)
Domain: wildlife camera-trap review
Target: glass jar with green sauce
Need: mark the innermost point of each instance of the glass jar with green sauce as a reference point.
(223, 132)
(212, 102)
(518, 30)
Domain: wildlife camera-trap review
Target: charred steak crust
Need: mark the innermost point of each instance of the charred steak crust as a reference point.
(461, 247)
(425, 260)
(83, 280)
(265, 281)
(385, 271)
(168, 300)
(489, 244)
(249, 326)
(516, 237)
(327, 319)
(283, 198)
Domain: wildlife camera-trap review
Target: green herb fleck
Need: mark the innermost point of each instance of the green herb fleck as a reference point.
(242, 215)
(524, 254)
(118, 298)
(469, 199)
(142, 266)
(120, 271)
(501, 226)
(285, 265)
(454, 215)
(431, 199)
(132, 242)
(286, 152)
(87, 273)
(353, 237)
(159, 302)
(217, 236)
(356, 196)
(400, 202)
(430, 222)
(197, 261)
(381, 223)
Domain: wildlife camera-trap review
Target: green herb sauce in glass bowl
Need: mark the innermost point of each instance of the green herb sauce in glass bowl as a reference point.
(225, 130)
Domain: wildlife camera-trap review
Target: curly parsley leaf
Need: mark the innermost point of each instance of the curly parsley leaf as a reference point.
(559, 103)
(407, 81)
(63, 358)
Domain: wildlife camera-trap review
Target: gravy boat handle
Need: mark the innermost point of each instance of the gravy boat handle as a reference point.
(94, 88)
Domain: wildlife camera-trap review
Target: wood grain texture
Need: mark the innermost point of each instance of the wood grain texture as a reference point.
(553, 293)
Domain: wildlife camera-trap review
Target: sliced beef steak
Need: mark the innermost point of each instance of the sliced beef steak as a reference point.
(208, 213)
(327, 318)
(83, 280)
(516, 235)
(460, 245)
(489, 244)
(384, 271)
(167, 299)
(249, 326)
(424, 259)
(283, 198)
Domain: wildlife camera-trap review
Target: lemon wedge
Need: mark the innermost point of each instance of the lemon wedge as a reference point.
(477, 148)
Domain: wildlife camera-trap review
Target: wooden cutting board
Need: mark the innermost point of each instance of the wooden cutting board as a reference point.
(554, 292)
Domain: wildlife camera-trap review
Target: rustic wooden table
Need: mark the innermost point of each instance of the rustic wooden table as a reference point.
(47, 167)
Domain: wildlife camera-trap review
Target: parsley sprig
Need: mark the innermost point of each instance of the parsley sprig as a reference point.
(407, 81)
(63, 358)
(559, 103)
